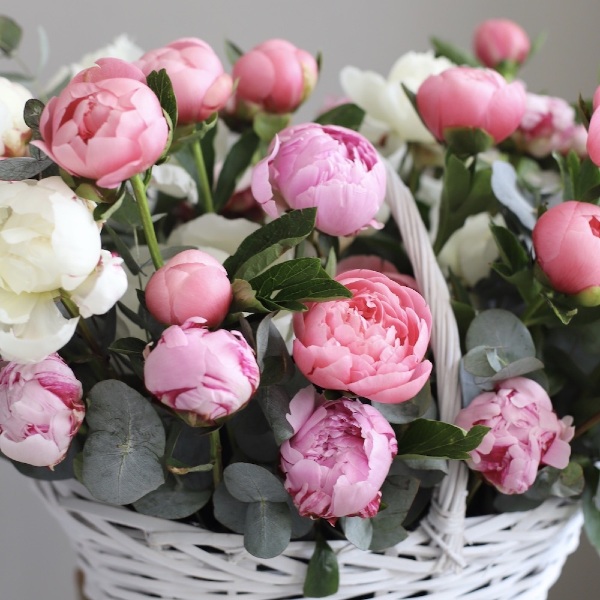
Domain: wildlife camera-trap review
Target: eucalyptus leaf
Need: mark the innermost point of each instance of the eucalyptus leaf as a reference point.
(428, 471)
(20, 168)
(32, 112)
(172, 501)
(125, 443)
(591, 512)
(323, 573)
(11, 34)
(252, 483)
(275, 404)
(358, 531)
(228, 511)
(407, 411)
(268, 528)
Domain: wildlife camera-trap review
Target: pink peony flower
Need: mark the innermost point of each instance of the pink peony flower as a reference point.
(106, 125)
(191, 284)
(549, 125)
(275, 76)
(372, 345)
(40, 411)
(525, 432)
(500, 40)
(333, 168)
(376, 263)
(338, 458)
(465, 97)
(593, 139)
(200, 85)
(566, 240)
(204, 375)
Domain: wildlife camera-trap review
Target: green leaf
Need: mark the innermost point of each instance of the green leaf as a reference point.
(407, 411)
(275, 404)
(172, 501)
(425, 437)
(345, 115)
(248, 482)
(268, 528)
(236, 162)
(228, 511)
(559, 483)
(123, 250)
(452, 53)
(267, 244)
(512, 252)
(18, 169)
(32, 113)
(128, 346)
(126, 440)
(10, 35)
(358, 531)
(267, 125)
(323, 573)
(467, 141)
(232, 51)
(428, 471)
(160, 83)
(244, 299)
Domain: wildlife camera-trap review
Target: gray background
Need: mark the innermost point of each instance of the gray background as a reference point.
(37, 562)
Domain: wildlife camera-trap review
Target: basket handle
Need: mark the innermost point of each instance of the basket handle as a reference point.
(445, 522)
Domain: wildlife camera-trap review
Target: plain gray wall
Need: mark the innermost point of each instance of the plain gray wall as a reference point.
(37, 562)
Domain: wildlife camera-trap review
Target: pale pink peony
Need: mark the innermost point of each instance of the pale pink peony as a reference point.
(500, 40)
(548, 126)
(204, 375)
(275, 76)
(200, 85)
(525, 433)
(376, 263)
(40, 411)
(465, 97)
(593, 139)
(333, 168)
(106, 125)
(191, 284)
(372, 344)
(566, 239)
(338, 458)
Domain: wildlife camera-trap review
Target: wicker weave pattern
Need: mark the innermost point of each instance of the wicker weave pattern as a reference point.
(128, 556)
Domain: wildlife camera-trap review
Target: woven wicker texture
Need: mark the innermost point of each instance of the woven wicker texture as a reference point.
(128, 556)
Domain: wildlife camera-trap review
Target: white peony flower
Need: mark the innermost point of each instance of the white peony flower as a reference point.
(388, 108)
(14, 134)
(172, 179)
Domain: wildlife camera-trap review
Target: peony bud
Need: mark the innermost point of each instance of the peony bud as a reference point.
(14, 133)
(191, 284)
(333, 168)
(525, 432)
(500, 40)
(566, 239)
(338, 458)
(40, 411)
(204, 375)
(200, 85)
(275, 76)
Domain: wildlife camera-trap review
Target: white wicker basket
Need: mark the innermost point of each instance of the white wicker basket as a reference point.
(128, 556)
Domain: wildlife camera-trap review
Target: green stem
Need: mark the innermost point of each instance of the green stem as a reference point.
(139, 190)
(215, 456)
(587, 425)
(203, 176)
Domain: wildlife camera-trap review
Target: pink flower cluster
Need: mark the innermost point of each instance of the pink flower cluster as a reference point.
(525, 433)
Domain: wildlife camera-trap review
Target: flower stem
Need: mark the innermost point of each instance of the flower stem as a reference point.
(587, 425)
(139, 190)
(203, 176)
(215, 456)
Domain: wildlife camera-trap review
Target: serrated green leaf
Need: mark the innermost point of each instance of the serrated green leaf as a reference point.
(236, 162)
(323, 573)
(407, 411)
(160, 83)
(267, 244)
(126, 440)
(11, 34)
(268, 528)
(345, 115)
(425, 437)
(252, 483)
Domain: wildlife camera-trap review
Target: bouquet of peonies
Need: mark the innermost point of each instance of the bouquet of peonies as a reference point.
(208, 315)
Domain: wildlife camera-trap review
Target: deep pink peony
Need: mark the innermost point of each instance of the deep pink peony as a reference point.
(525, 432)
(372, 344)
(200, 85)
(106, 125)
(338, 458)
(275, 76)
(466, 97)
(191, 284)
(40, 411)
(204, 375)
(500, 40)
(566, 239)
(333, 168)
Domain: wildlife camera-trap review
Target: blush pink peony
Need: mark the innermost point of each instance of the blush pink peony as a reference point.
(191, 284)
(199, 82)
(204, 375)
(333, 168)
(338, 458)
(106, 125)
(372, 345)
(500, 40)
(525, 433)
(40, 411)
